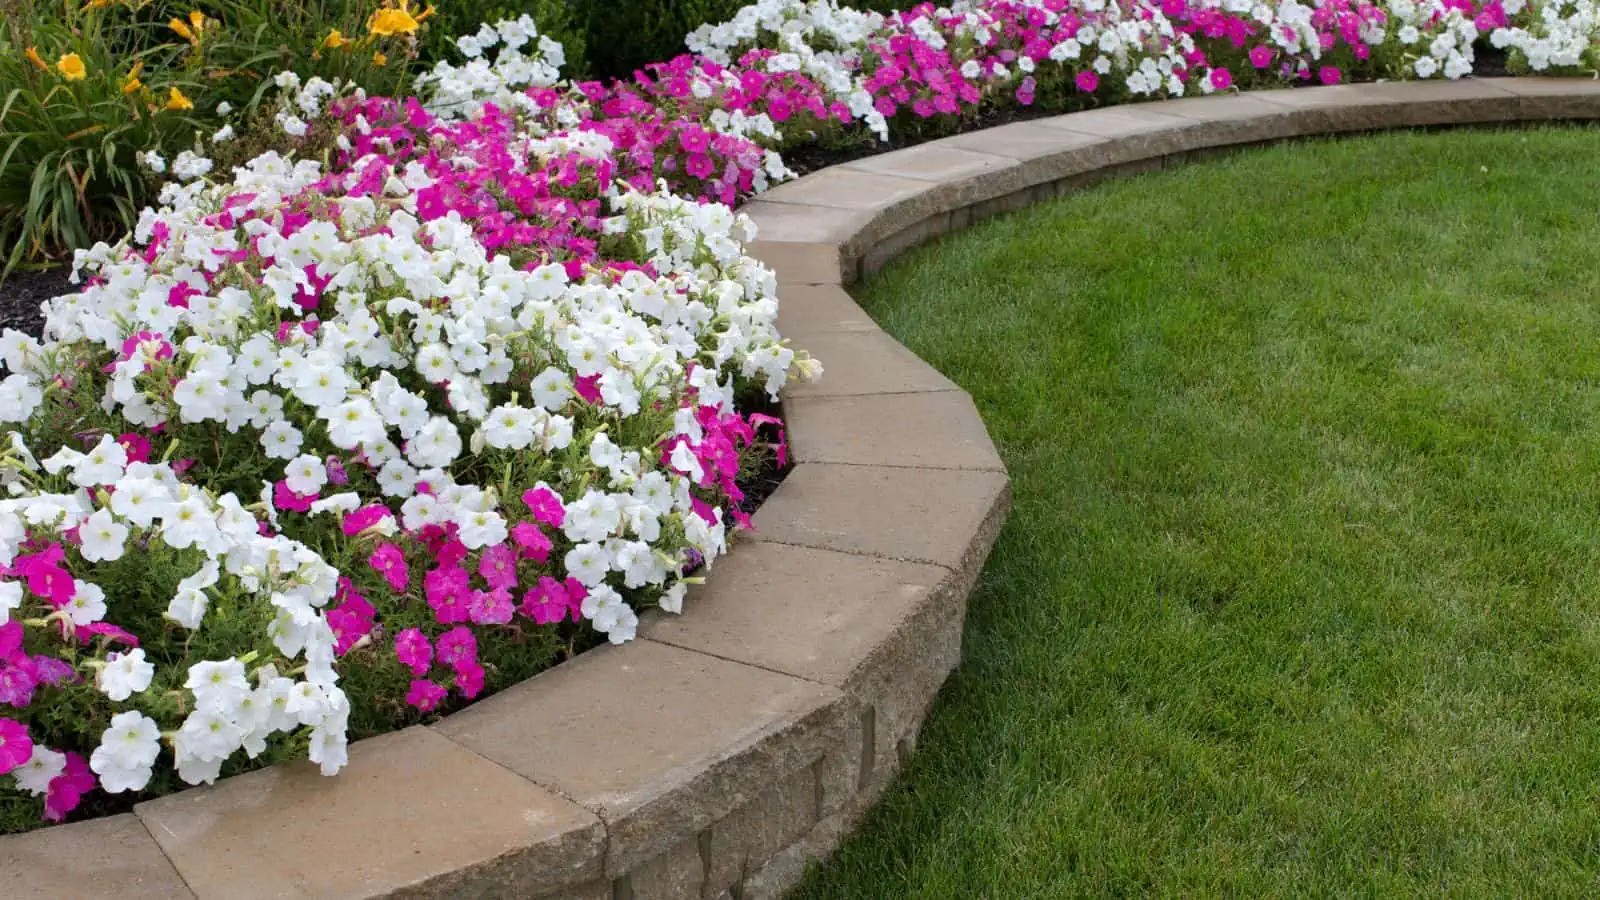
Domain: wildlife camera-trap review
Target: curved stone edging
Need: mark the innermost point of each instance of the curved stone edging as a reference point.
(726, 748)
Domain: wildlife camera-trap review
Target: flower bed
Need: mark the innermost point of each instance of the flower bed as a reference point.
(323, 447)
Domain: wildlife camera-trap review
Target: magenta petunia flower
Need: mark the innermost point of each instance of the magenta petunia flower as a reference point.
(411, 647)
(546, 604)
(498, 566)
(16, 747)
(425, 695)
(390, 562)
(456, 646)
(67, 789)
(1087, 81)
(1329, 75)
(1221, 79)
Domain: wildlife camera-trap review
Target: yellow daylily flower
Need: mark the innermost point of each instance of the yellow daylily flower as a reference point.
(71, 67)
(131, 82)
(379, 59)
(192, 30)
(390, 22)
(177, 101)
(33, 56)
(335, 40)
(393, 20)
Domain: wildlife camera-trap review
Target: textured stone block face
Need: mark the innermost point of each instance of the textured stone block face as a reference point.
(412, 815)
(679, 872)
(785, 870)
(754, 833)
(893, 243)
(946, 517)
(792, 223)
(867, 362)
(704, 736)
(802, 263)
(1393, 105)
(813, 308)
(112, 857)
(939, 430)
(1552, 98)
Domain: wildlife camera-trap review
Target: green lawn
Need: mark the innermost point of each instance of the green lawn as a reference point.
(1301, 592)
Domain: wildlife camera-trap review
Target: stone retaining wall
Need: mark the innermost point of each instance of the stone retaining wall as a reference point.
(725, 749)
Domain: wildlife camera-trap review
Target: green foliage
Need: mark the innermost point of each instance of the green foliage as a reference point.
(69, 136)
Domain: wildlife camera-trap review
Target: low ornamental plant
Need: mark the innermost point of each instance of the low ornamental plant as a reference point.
(321, 449)
(457, 383)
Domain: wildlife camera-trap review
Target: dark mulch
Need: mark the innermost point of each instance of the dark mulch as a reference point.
(22, 293)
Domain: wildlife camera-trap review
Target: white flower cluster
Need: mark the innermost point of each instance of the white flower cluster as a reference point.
(117, 505)
(459, 91)
(1561, 34)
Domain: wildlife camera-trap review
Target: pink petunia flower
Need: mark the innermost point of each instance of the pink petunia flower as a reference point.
(67, 789)
(16, 747)
(498, 566)
(390, 562)
(411, 647)
(426, 695)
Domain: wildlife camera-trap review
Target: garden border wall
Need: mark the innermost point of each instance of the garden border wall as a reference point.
(725, 749)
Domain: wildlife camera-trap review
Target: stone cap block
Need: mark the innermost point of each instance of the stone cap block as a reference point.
(936, 430)
(1044, 154)
(865, 362)
(1401, 104)
(660, 741)
(1552, 98)
(819, 308)
(803, 263)
(815, 614)
(111, 857)
(958, 176)
(942, 516)
(413, 814)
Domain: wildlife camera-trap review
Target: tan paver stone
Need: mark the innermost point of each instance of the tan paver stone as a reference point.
(864, 362)
(944, 516)
(1136, 132)
(111, 857)
(962, 175)
(940, 430)
(814, 308)
(816, 614)
(794, 223)
(1349, 107)
(1044, 153)
(660, 741)
(1553, 98)
(801, 263)
(841, 187)
(1221, 120)
(412, 814)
